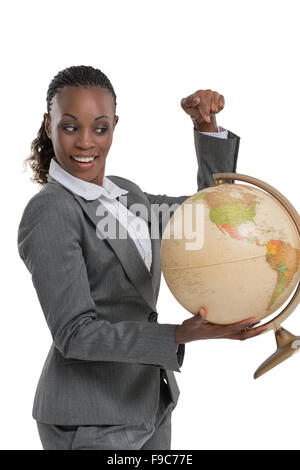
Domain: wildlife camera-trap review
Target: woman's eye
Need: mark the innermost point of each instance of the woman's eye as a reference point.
(102, 129)
(69, 127)
(99, 130)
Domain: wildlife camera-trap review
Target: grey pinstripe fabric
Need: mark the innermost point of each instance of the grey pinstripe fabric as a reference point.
(155, 434)
(97, 296)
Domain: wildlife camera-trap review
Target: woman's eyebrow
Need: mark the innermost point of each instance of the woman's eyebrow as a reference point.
(74, 117)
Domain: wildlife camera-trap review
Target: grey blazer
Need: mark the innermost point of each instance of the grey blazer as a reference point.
(99, 301)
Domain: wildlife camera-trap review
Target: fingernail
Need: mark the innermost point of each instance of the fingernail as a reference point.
(262, 328)
(249, 320)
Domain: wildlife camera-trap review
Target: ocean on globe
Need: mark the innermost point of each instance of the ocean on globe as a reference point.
(248, 263)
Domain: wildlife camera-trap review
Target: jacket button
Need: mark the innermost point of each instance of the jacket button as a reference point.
(152, 317)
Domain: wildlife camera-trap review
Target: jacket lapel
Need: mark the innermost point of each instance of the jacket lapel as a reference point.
(155, 270)
(146, 282)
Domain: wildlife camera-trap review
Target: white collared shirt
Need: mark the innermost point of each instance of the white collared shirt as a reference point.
(222, 133)
(107, 194)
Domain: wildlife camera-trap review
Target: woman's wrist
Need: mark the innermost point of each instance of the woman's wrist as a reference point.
(178, 339)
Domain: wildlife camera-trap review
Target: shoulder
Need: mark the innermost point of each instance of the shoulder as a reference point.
(125, 183)
(50, 220)
(51, 202)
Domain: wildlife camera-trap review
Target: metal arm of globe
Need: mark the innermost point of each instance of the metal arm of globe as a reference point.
(287, 343)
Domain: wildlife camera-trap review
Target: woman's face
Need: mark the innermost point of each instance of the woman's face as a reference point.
(81, 124)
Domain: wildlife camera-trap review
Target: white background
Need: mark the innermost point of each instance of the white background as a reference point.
(155, 53)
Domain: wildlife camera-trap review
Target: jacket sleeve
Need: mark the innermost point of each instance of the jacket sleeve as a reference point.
(49, 243)
(214, 155)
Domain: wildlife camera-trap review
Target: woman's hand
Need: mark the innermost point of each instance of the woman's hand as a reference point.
(198, 328)
(202, 106)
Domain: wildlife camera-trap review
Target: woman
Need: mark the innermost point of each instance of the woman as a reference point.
(108, 381)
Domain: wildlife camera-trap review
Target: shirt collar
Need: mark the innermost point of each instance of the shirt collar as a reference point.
(88, 191)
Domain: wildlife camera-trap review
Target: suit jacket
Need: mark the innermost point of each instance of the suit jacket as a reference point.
(99, 301)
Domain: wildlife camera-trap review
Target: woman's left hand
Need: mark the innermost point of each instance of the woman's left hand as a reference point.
(202, 106)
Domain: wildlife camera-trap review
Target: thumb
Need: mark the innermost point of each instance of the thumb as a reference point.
(202, 313)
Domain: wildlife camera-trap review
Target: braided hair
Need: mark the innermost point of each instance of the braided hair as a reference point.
(41, 147)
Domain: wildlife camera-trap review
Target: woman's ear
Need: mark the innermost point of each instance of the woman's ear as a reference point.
(47, 125)
(116, 119)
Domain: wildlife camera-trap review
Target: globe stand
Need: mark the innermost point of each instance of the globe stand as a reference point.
(287, 343)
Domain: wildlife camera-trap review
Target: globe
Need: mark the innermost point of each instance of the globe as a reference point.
(244, 260)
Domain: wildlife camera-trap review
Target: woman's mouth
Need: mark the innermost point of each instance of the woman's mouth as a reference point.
(84, 162)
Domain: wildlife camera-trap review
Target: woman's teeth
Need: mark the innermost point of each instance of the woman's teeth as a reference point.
(83, 160)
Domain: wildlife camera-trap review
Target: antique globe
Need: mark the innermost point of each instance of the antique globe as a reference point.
(234, 249)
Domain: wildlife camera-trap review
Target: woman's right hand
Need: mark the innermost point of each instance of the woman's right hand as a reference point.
(198, 328)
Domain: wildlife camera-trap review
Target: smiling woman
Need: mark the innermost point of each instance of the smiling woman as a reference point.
(80, 141)
(108, 380)
(78, 127)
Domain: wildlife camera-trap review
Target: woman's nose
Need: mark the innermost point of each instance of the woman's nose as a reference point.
(84, 139)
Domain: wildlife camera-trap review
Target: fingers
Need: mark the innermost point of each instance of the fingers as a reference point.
(202, 314)
(229, 329)
(203, 104)
(190, 101)
(251, 332)
(234, 329)
(240, 330)
(214, 104)
(238, 326)
(243, 323)
(217, 102)
(248, 333)
(221, 102)
(246, 320)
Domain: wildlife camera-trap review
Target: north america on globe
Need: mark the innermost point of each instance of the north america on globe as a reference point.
(234, 214)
